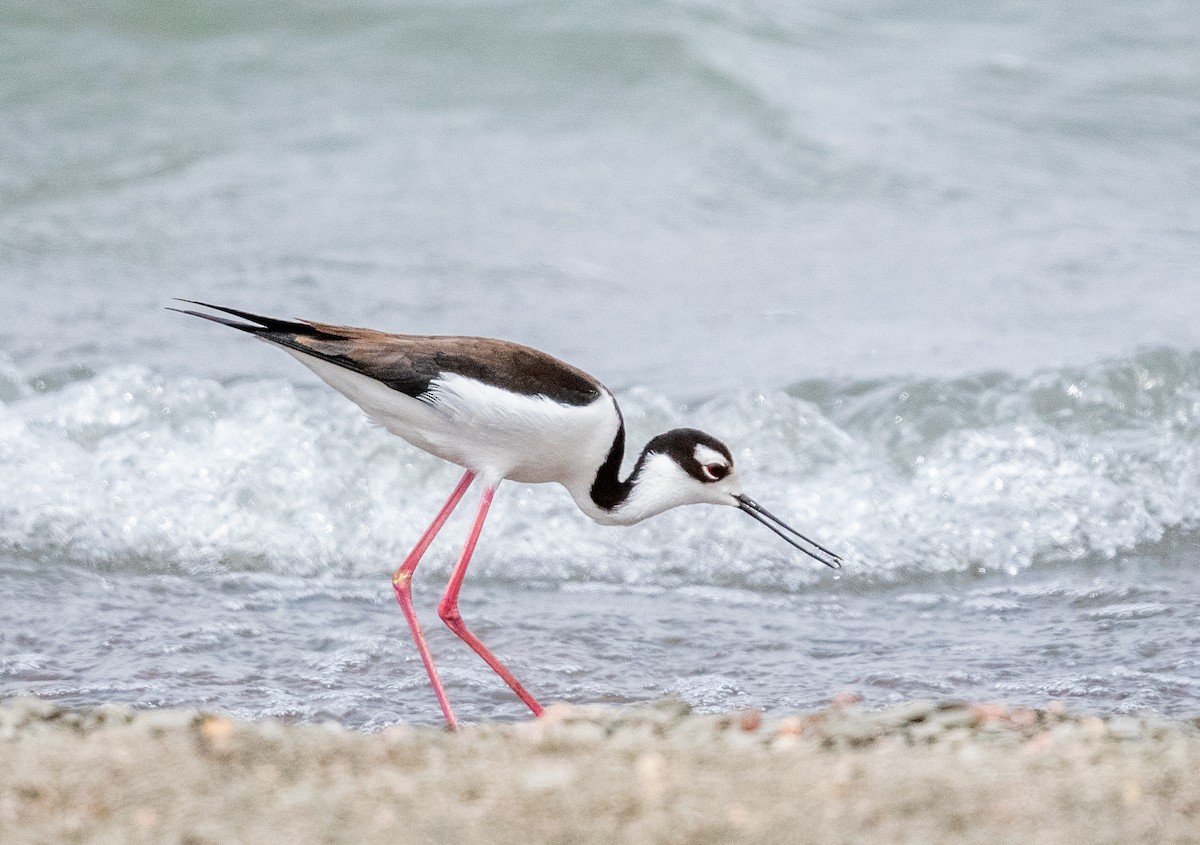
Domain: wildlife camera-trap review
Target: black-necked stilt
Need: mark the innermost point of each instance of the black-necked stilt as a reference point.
(501, 410)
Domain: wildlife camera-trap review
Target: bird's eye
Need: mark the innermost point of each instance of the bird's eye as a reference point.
(715, 472)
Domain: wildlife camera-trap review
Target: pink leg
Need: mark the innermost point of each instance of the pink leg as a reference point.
(402, 584)
(448, 609)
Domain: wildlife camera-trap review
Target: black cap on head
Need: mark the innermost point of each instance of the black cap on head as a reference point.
(679, 444)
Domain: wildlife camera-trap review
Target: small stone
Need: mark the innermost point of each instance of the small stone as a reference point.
(216, 734)
(845, 699)
(750, 720)
(793, 726)
(785, 742)
(983, 713)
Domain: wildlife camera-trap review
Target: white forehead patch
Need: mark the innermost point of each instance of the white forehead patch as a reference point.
(705, 456)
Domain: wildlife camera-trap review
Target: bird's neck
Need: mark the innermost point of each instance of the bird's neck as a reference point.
(608, 490)
(612, 500)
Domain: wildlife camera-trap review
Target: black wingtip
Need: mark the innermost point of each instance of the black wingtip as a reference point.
(233, 324)
(255, 323)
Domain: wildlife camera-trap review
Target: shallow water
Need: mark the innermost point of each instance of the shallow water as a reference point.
(932, 274)
(1123, 638)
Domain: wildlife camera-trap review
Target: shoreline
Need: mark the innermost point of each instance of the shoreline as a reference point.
(920, 771)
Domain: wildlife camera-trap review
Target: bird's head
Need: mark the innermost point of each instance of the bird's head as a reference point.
(686, 467)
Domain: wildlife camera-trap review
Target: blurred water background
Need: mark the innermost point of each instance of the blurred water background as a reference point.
(933, 272)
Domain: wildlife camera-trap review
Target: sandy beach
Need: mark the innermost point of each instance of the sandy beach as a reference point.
(920, 772)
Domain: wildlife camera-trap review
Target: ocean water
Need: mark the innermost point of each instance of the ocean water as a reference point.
(933, 273)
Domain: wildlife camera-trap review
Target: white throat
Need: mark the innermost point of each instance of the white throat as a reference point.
(661, 484)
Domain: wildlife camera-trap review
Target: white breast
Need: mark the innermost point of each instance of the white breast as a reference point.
(498, 434)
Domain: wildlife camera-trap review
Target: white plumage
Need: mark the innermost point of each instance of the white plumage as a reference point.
(499, 435)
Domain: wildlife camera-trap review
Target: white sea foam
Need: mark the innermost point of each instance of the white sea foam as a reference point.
(129, 468)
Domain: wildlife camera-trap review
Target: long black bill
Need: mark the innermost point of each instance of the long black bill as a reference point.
(791, 535)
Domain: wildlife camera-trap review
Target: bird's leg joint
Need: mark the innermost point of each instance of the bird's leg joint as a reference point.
(401, 579)
(448, 611)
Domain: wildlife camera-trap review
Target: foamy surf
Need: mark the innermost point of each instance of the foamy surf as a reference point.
(127, 468)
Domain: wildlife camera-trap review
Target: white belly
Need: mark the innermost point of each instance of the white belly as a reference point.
(497, 434)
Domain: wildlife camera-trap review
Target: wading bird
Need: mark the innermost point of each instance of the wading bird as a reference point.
(505, 411)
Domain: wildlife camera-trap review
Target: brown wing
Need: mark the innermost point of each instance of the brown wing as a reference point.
(409, 363)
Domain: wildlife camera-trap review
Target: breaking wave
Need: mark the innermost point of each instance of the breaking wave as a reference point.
(127, 468)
